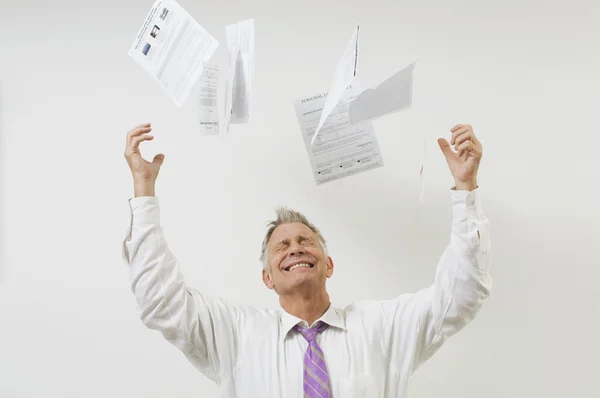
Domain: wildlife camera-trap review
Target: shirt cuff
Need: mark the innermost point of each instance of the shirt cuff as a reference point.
(144, 209)
(467, 203)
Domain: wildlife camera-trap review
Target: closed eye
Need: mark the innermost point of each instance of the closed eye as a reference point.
(305, 241)
(282, 245)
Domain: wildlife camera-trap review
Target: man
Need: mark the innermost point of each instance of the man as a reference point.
(308, 348)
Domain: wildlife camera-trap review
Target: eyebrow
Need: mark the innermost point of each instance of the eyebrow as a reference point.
(286, 241)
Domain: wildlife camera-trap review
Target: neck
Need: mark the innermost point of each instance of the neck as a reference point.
(308, 306)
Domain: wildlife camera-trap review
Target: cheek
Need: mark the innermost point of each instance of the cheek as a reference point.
(276, 259)
(316, 253)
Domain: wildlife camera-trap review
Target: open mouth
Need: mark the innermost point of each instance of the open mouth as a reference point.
(300, 265)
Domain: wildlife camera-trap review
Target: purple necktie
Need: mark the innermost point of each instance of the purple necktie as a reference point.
(316, 380)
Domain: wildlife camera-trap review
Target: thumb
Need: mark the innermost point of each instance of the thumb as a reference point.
(446, 148)
(158, 159)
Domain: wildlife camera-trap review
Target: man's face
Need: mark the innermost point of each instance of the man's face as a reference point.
(296, 259)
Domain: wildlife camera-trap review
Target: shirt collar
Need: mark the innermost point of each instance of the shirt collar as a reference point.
(332, 317)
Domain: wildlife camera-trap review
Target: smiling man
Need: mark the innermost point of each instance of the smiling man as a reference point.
(307, 347)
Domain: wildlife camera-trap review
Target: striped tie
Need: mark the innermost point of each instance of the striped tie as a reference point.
(316, 380)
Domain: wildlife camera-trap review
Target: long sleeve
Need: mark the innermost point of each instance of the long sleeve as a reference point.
(203, 328)
(418, 324)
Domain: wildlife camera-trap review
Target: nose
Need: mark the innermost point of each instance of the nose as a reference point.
(296, 249)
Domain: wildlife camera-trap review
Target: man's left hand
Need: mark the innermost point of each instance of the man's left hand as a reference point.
(463, 163)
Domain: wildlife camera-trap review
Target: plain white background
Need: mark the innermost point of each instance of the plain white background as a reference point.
(523, 73)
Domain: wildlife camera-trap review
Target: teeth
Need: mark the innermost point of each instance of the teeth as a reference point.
(293, 267)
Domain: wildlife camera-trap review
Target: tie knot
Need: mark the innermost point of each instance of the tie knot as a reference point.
(310, 334)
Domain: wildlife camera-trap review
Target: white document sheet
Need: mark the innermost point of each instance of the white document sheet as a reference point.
(240, 42)
(392, 95)
(172, 47)
(344, 74)
(342, 149)
(229, 93)
(209, 110)
(422, 174)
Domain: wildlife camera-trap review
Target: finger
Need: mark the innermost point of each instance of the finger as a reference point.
(459, 126)
(141, 129)
(158, 159)
(460, 131)
(446, 148)
(135, 141)
(465, 147)
(467, 135)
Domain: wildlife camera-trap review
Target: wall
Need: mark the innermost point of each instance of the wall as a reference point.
(524, 74)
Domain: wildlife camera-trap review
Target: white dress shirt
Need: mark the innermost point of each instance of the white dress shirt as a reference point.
(371, 347)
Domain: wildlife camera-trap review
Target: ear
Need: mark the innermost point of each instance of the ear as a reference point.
(267, 279)
(329, 267)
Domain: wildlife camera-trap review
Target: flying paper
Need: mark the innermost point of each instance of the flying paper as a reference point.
(172, 47)
(209, 92)
(342, 149)
(392, 95)
(344, 74)
(240, 42)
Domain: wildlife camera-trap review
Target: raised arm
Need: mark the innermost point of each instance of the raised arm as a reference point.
(416, 325)
(462, 281)
(203, 328)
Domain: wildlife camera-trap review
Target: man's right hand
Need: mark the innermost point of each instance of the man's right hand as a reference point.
(144, 172)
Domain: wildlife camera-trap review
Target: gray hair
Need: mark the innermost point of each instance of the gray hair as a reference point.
(287, 216)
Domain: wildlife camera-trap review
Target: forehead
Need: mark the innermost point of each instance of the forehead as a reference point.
(290, 231)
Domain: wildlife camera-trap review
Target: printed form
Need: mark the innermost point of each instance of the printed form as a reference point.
(172, 47)
(209, 90)
(341, 149)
